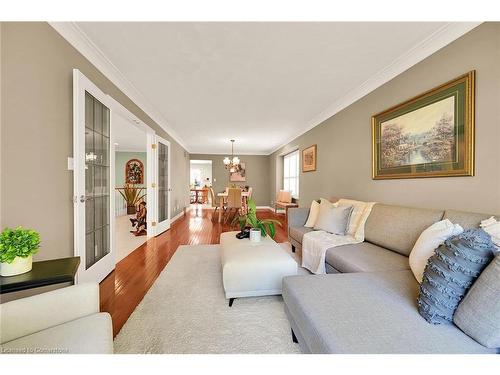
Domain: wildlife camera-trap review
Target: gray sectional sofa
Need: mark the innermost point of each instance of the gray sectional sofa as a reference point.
(367, 303)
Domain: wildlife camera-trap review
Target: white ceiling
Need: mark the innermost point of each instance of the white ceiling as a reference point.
(259, 83)
(128, 136)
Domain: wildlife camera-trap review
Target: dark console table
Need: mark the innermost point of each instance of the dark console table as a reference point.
(47, 272)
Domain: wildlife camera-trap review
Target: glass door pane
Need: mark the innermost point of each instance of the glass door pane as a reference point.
(162, 182)
(97, 186)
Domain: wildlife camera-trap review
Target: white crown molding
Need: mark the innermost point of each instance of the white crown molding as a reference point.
(200, 161)
(194, 153)
(140, 151)
(434, 42)
(82, 43)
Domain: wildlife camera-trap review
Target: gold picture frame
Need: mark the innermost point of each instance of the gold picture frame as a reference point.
(430, 135)
(309, 158)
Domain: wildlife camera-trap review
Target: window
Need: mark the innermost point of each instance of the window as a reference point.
(291, 173)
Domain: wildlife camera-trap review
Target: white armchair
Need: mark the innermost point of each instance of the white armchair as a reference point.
(65, 320)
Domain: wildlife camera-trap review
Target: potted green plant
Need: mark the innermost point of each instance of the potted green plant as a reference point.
(17, 247)
(132, 196)
(258, 227)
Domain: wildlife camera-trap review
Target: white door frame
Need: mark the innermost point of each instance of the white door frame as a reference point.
(161, 227)
(98, 271)
(150, 160)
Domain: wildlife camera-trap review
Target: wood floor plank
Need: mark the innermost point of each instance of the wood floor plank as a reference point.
(126, 286)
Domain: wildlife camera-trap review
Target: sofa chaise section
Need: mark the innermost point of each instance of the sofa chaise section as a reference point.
(366, 313)
(369, 303)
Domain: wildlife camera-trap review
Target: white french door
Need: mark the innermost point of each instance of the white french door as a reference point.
(93, 161)
(125, 115)
(161, 148)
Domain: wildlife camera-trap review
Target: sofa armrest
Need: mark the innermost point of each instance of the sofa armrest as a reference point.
(33, 314)
(297, 217)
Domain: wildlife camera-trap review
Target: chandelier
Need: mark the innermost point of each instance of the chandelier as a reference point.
(232, 163)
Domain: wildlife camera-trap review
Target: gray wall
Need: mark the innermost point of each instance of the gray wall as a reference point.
(37, 131)
(256, 172)
(344, 140)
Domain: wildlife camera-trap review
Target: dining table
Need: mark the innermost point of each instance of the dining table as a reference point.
(224, 195)
(199, 192)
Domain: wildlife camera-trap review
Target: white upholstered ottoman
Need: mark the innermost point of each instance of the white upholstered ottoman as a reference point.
(252, 269)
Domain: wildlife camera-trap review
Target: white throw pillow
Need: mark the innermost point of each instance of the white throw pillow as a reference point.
(313, 215)
(327, 203)
(492, 227)
(428, 241)
(324, 204)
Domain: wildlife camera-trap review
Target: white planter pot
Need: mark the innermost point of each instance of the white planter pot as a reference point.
(17, 267)
(255, 235)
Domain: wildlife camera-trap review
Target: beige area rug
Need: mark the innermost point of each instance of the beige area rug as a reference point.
(185, 311)
(126, 242)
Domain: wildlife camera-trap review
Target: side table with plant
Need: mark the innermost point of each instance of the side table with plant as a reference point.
(17, 247)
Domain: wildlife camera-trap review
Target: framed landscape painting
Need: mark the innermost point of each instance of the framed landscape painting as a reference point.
(431, 135)
(309, 159)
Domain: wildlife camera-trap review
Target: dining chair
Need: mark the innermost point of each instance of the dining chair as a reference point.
(215, 202)
(233, 202)
(203, 196)
(225, 197)
(284, 200)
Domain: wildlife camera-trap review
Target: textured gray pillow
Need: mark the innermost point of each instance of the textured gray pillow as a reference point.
(478, 315)
(450, 272)
(333, 219)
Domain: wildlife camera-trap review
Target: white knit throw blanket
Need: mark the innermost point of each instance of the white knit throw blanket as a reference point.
(316, 243)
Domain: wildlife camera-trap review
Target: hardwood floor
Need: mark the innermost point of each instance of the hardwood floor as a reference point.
(125, 287)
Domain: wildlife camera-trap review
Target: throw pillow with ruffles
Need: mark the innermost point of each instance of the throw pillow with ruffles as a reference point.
(450, 272)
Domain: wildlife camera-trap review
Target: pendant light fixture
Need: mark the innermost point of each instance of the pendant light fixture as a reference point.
(232, 164)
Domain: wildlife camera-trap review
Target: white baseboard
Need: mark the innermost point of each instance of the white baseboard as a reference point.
(209, 207)
(276, 211)
(185, 210)
(265, 208)
(188, 208)
(280, 211)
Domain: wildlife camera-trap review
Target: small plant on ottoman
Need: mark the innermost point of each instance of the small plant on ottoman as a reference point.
(250, 223)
